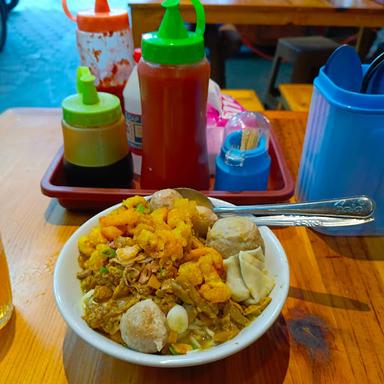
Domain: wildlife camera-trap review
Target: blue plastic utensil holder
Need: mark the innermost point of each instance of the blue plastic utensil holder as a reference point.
(343, 152)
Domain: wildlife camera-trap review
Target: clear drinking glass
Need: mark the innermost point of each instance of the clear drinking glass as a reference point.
(6, 305)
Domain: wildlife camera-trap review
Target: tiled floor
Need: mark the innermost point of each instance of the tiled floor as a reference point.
(38, 63)
(250, 72)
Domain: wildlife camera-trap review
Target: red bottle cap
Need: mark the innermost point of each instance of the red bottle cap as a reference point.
(137, 54)
(100, 19)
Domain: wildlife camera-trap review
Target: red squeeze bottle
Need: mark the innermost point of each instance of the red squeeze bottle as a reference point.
(174, 75)
(105, 45)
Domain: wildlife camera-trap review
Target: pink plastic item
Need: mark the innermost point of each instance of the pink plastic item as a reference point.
(216, 121)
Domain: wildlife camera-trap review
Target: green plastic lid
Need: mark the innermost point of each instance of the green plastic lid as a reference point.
(173, 43)
(90, 108)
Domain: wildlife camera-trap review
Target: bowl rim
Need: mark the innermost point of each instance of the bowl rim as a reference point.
(108, 346)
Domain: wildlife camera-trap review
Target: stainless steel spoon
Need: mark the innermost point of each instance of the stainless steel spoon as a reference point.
(359, 207)
(307, 221)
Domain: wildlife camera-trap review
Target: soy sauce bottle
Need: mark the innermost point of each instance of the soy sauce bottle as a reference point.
(96, 152)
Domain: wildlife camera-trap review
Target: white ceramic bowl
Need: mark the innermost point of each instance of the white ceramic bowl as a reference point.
(68, 295)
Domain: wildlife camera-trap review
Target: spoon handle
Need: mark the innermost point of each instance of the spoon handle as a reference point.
(353, 207)
(305, 221)
(377, 62)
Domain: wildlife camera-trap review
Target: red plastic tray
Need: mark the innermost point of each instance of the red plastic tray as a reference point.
(54, 184)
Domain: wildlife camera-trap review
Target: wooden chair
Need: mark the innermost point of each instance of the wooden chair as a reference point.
(307, 55)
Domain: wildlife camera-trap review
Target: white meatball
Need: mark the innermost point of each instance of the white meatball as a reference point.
(233, 234)
(177, 319)
(204, 221)
(164, 198)
(143, 327)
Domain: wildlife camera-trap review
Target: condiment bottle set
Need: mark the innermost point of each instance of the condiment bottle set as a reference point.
(173, 75)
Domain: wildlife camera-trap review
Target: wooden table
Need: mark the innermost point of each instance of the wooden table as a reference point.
(146, 14)
(247, 98)
(330, 330)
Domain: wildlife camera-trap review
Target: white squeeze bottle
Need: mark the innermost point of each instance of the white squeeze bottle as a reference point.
(132, 105)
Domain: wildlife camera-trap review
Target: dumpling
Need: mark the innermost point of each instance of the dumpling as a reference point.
(239, 291)
(258, 256)
(255, 276)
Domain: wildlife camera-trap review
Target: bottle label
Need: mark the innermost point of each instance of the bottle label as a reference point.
(134, 131)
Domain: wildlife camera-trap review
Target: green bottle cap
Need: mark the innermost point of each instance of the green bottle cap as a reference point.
(90, 108)
(173, 43)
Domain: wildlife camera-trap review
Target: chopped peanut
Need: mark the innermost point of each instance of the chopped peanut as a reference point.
(153, 282)
(172, 337)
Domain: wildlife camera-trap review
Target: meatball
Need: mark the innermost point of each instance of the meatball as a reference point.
(233, 234)
(143, 327)
(204, 221)
(164, 198)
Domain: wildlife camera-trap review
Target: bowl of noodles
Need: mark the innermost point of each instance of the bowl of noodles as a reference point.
(164, 282)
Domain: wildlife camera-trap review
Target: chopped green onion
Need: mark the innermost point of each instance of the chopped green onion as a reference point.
(140, 208)
(162, 273)
(108, 252)
(195, 344)
(104, 270)
(180, 349)
(172, 350)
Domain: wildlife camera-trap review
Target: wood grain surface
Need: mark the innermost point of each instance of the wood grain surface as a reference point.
(296, 97)
(330, 330)
(146, 14)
